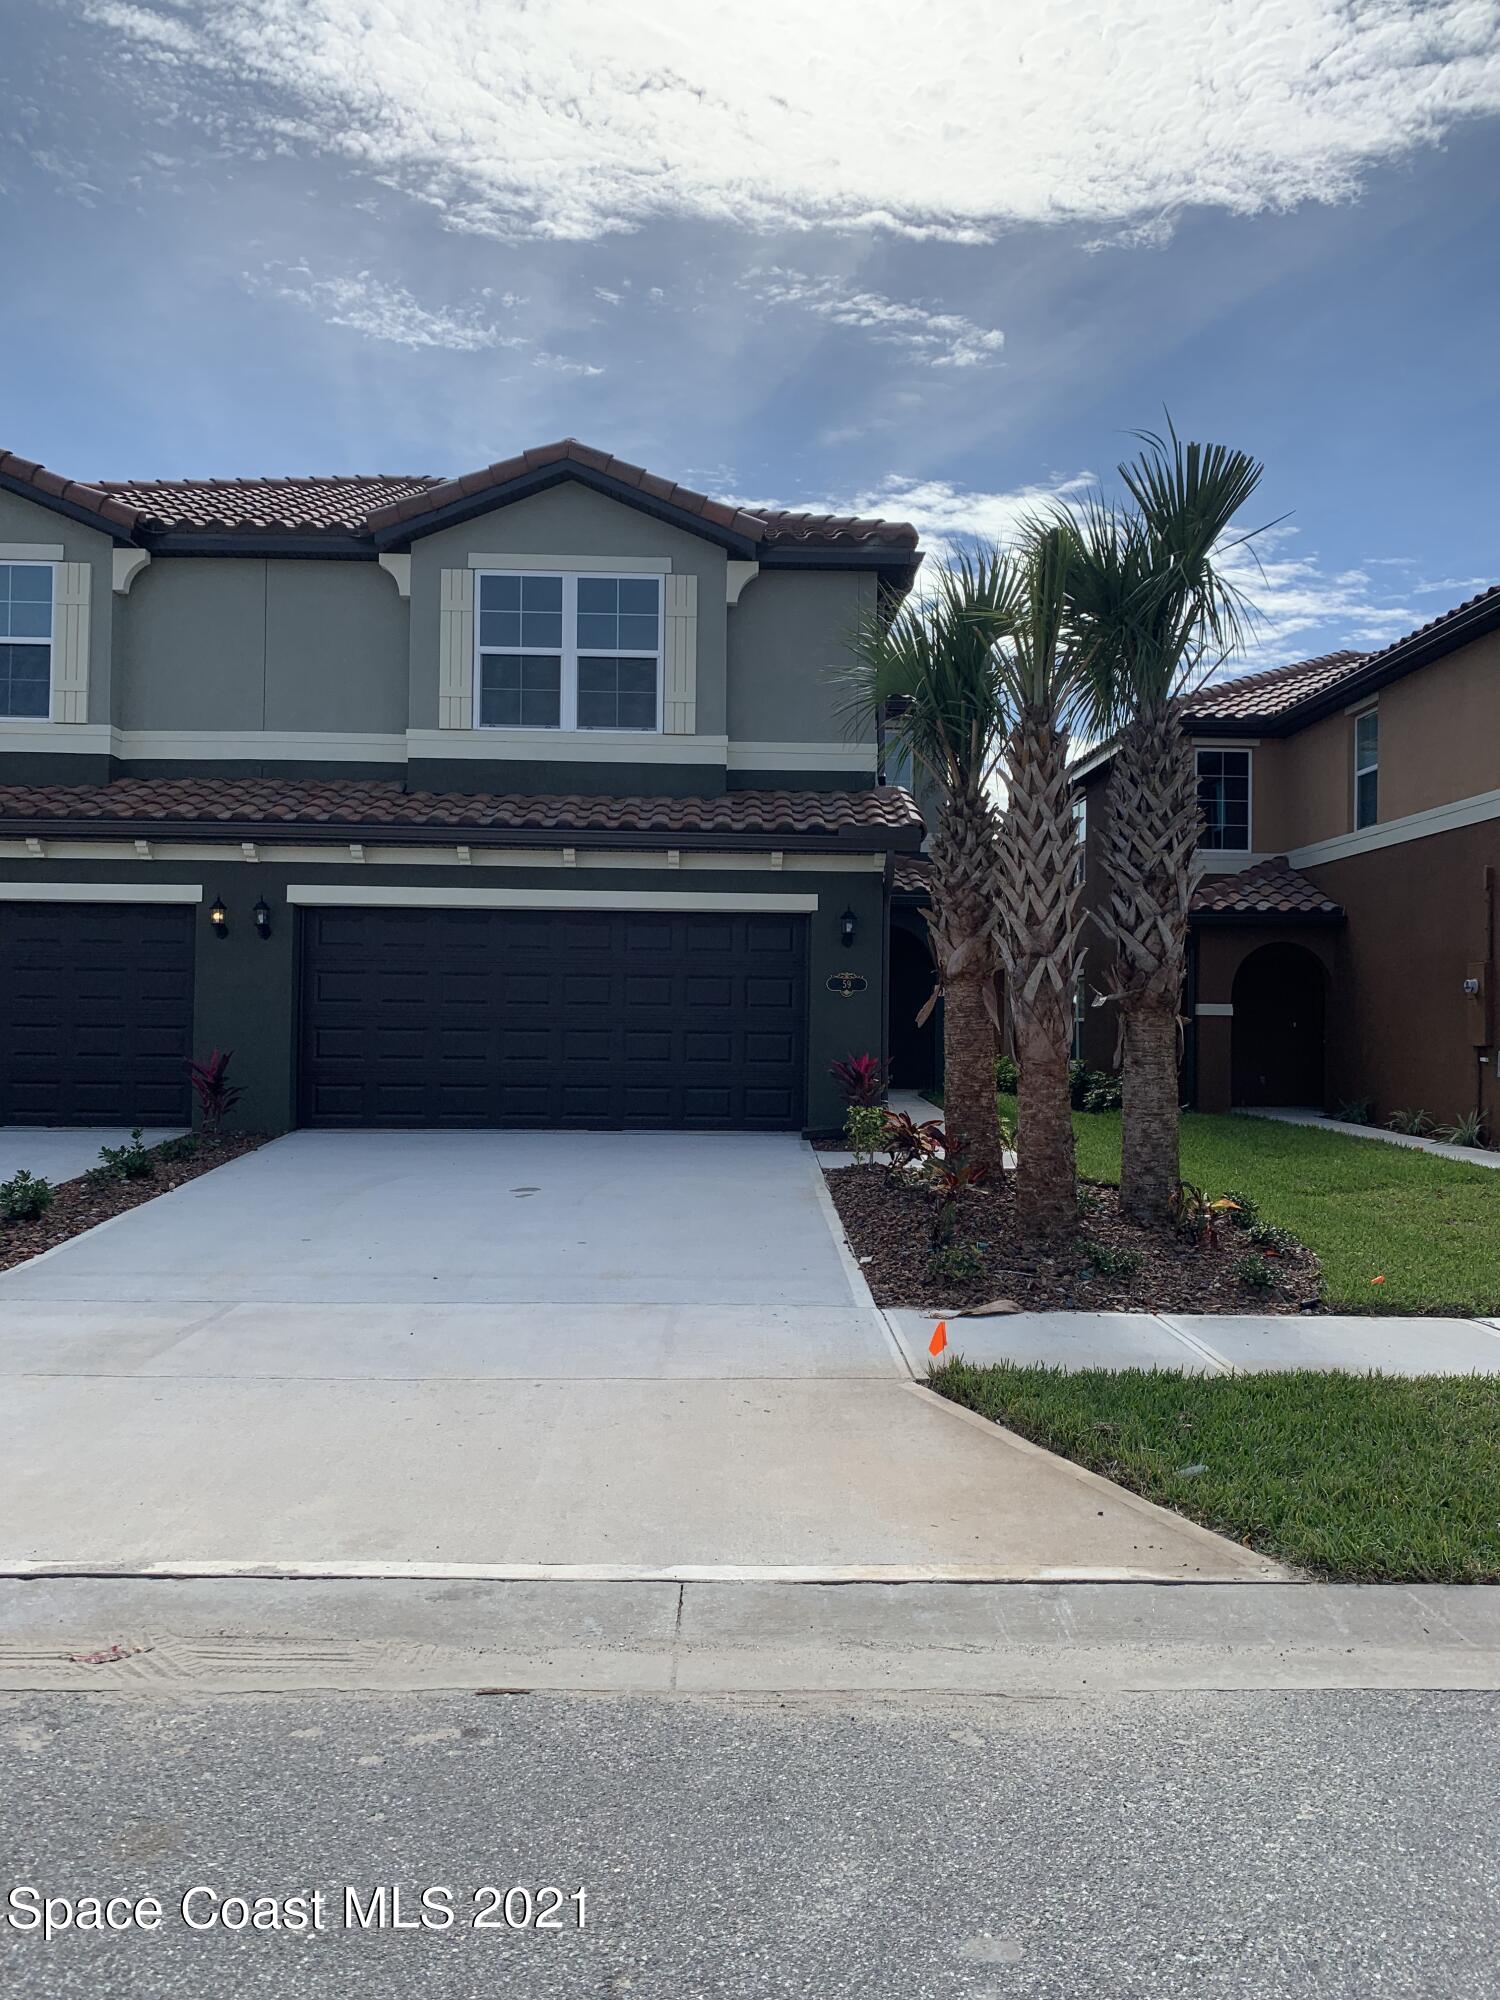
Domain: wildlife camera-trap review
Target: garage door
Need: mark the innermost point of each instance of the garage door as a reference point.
(96, 1013)
(546, 1018)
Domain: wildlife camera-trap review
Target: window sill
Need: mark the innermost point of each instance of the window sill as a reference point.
(578, 746)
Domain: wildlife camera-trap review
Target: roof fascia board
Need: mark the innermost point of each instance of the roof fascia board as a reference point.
(250, 542)
(1419, 651)
(874, 840)
(490, 498)
(862, 555)
(87, 518)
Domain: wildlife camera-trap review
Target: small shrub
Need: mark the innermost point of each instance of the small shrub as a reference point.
(1354, 1110)
(1273, 1239)
(24, 1197)
(1078, 1076)
(1102, 1093)
(216, 1095)
(864, 1130)
(906, 1142)
(958, 1263)
(124, 1163)
(1465, 1131)
(1255, 1272)
(1198, 1214)
(859, 1078)
(1089, 1202)
(1416, 1124)
(183, 1147)
(1007, 1075)
(1112, 1263)
(1246, 1212)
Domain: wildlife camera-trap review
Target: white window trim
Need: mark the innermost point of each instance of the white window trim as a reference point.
(1215, 749)
(571, 652)
(50, 642)
(1363, 770)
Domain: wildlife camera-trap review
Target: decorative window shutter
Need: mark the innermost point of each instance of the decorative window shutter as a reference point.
(456, 650)
(71, 589)
(680, 694)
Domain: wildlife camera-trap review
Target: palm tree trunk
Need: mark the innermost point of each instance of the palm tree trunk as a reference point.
(1150, 837)
(1037, 928)
(1149, 1165)
(970, 1121)
(963, 859)
(1046, 1162)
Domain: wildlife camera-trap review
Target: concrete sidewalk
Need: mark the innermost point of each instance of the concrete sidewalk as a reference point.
(1211, 1343)
(62, 1152)
(1472, 1156)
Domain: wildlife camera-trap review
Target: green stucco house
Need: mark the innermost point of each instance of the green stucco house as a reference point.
(521, 799)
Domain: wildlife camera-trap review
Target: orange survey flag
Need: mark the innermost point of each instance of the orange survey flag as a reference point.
(939, 1338)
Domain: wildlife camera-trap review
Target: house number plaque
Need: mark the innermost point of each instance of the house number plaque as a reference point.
(847, 984)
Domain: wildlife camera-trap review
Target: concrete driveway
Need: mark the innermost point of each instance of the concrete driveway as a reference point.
(62, 1152)
(513, 1354)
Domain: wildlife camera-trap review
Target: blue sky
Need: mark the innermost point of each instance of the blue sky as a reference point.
(932, 263)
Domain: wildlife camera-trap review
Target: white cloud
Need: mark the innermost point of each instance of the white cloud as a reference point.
(366, 304)
(570, 120)
(380, 311)
(942, 339)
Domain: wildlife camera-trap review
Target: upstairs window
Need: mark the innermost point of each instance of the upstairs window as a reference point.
(25, 639)
(1224, 799)
(569, 652)
(1367, 768)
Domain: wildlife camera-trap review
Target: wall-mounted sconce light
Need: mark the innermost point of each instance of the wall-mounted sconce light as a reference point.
(262, 916)
(848, 925)
(218, 916)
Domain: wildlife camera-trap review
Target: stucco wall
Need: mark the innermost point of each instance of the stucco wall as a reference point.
(235, 642)
(1419, 913)
(23, 521)
(788, 644)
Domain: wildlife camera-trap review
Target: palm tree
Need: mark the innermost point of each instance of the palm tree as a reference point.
(1154, 611)
(1038, 920)
(930, 671)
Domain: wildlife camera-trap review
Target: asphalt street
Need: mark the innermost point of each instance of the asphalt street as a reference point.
(1264, 1845)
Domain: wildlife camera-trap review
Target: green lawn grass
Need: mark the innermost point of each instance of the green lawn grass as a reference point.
(1373, 1479)
(1429, 1227)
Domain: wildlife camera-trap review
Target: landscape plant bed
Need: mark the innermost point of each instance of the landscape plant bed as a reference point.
(79, 1204)
(1361, 1478)
(888, 1220)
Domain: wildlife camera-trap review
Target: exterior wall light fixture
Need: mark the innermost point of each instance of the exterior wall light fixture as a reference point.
(848, 925)
(218, 917)
(262, 916)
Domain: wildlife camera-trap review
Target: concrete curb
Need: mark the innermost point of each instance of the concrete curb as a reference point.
(194, 1640)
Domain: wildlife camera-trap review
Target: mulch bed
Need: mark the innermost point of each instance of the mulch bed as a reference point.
(78, 1205)
(888, 1222)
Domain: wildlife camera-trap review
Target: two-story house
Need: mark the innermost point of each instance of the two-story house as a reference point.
(1343, 930)
(525, 798)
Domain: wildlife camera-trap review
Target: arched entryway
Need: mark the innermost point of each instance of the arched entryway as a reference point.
(1277, 1041)
(913, 1048)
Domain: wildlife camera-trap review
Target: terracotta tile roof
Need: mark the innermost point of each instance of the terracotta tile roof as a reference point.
(76, 492)
(362, 504)
(311, 505)
(205, 803)
(912, 874)
(1270, 888)
(1252, 696)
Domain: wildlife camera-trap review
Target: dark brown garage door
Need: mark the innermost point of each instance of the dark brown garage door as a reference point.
(546, 1018)
(96, 1013)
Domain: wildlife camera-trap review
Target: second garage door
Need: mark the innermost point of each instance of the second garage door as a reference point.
(435, 1017)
